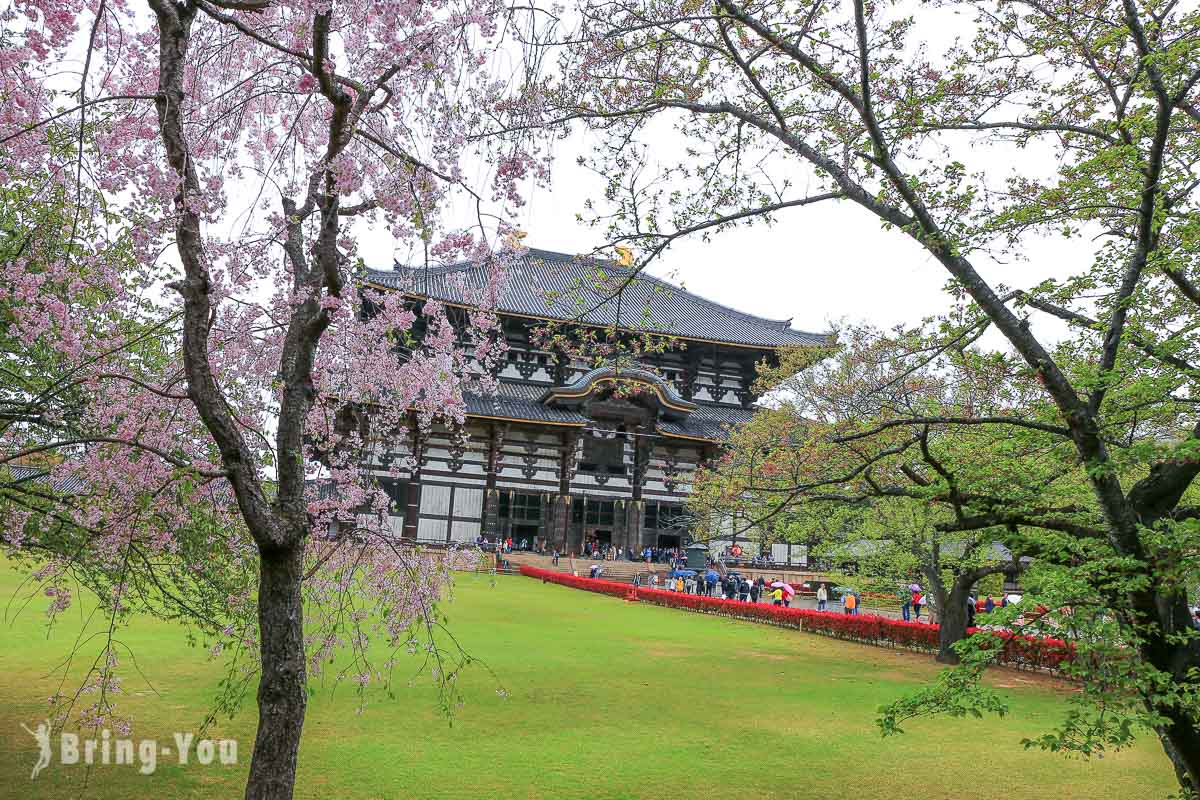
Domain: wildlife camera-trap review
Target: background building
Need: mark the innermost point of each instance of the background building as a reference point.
(567, 453)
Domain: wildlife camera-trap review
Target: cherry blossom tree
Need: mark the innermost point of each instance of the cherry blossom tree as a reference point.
(197, 385)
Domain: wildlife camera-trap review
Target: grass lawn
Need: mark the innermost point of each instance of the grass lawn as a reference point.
(606, 699)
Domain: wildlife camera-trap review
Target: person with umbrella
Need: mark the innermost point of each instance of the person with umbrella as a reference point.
(905, 603)
(786, 592)
(915, 588)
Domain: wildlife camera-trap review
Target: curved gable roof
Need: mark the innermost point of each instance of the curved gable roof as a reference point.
(670, 400)
(558, 286)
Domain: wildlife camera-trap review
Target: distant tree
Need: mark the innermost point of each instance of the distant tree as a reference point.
(190, 355)
(855, 460)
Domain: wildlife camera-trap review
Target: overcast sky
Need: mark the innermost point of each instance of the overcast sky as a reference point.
(817, 265)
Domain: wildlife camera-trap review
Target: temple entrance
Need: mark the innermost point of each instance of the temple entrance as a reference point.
(598, 537)
(525, 533)
(667, 541)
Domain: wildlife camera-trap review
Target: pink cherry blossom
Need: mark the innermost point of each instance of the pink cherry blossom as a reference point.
(211, 378)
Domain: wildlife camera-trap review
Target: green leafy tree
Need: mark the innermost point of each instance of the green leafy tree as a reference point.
(856, 462)
(917, 451)
(776, 106)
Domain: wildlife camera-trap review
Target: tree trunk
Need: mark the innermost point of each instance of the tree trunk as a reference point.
(282, 694)
(1182, 746)
(1161, 648)
(953, 619)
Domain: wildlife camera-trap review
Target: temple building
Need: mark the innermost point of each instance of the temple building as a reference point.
(564, 453)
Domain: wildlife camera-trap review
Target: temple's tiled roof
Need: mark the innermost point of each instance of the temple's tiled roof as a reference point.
(707, 422)
(559, 286)
(517, 401)
(22, 473)
(219, 490)
(521, 403)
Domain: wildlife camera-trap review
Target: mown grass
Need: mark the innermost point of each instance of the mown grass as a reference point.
(606, 699)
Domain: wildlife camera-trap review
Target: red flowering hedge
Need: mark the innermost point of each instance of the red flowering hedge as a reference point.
(1026, 652)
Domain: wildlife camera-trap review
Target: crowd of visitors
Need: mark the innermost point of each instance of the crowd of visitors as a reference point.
(734, 586)
(509, 545)
(913, 600)
(662, 555)
(605, 551)
(731, 586)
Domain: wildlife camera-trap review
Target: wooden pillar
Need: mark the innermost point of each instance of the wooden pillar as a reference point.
(643, 449)
(491, 496)
(746, 393)
(635, 516)
(717, 391)
(412, 507)
(620, 522)
(691, 372)
(568, 462)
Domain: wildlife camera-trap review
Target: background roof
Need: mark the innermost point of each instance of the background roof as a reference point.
(565, 287)
(521, 402)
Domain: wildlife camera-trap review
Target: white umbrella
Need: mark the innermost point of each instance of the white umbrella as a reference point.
(787, 587)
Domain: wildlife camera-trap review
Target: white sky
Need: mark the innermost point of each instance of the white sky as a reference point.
(817, 265)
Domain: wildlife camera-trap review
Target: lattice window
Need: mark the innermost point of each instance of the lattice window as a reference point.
(521, 507)
(600, 512)
(603, 456)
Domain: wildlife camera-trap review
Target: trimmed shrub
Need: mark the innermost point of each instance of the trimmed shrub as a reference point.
(1016, 650)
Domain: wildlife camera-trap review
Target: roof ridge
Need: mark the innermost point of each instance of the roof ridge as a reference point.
(553, 255)
(652, 277)
(784, 323)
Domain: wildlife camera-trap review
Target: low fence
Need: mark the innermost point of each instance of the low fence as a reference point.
(1015, 650)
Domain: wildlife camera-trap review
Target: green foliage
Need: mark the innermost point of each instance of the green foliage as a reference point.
(955, 693)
